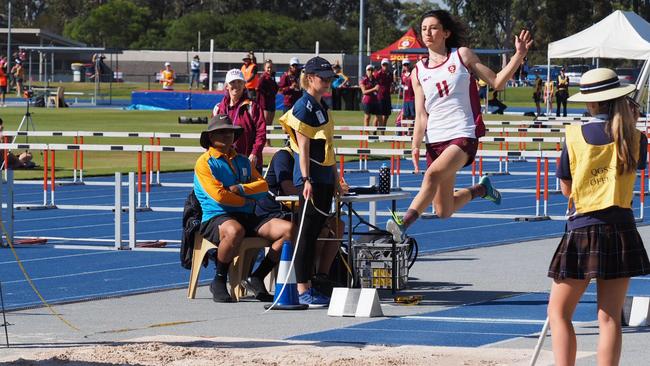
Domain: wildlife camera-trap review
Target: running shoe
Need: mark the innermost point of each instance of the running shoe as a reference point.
(396, 227)
(256, 286)
(491, 193)
(314, 299)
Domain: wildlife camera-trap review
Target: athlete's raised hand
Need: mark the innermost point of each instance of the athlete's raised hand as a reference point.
(523, 42)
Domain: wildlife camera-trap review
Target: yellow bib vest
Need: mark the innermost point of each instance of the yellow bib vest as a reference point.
(595, 184)
(291, 124)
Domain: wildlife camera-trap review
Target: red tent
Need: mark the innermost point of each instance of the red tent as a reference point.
(408, 40)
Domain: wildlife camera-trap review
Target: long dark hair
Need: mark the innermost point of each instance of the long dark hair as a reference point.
(457, 30)
(621, 127)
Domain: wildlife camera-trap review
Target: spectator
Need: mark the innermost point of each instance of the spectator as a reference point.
(340, 81)
(482, 89)
(167, 77)
(369, 101)
(267, 90)
(249, 69)
(279, 176)
(195, 71)
(18, 74)
(310, 129)
(385, 81)
(495, 102)
(537, 94)
(549, 88)
(227, 187)
(3, 83)
(524, 72)
(246, 113)
(562, 93)
(99, 68)
(408, 106)
(290, 84)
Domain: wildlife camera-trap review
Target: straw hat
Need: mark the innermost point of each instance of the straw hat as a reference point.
(599, 85)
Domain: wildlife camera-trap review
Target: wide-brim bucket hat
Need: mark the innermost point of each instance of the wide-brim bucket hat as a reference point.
(219, 122)
(599, 85)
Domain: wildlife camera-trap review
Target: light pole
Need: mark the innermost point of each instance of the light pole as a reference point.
(361, 28)
(8, 37)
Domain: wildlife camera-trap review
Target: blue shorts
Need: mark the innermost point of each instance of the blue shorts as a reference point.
(408, 110)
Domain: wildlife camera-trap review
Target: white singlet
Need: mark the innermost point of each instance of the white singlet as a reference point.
(447, 100)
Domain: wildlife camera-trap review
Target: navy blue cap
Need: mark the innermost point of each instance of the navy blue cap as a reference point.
(320, 67)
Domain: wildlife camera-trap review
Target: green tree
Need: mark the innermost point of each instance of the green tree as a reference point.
(118, 23)
(411, 12)
(182, 33)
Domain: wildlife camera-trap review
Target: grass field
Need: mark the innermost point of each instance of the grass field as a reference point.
(101, 163)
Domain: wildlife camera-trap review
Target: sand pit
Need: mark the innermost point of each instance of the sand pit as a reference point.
(194, 351)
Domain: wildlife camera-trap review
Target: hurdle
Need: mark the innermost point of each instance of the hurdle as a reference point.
(116, 243)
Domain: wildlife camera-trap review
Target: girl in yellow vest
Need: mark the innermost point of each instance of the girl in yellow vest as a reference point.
(597, 171)
(167, 77)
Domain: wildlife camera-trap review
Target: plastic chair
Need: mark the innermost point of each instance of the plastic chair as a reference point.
(238, 270)
(57, 98)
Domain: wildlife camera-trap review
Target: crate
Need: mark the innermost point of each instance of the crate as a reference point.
(374, 265)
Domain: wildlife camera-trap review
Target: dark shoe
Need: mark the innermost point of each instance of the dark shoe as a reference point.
(256, 286)
(219, 291)
(322, 284)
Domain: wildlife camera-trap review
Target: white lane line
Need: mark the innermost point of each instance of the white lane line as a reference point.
(382, 330)
(95, 272)
(110, 214)
(57, 257)
(99, 295)
(31, 230)
(477, 245)
(474, 320)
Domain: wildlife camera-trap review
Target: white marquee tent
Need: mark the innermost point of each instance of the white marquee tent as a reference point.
(622, 34)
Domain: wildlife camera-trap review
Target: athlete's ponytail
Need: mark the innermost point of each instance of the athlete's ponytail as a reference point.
(621, 127)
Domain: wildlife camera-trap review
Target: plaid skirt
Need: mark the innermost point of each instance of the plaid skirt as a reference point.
(600, 251)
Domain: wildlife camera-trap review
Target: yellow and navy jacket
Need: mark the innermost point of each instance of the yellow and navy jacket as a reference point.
(562, 83)
(596, 184)
(214, 172)
(313, 120)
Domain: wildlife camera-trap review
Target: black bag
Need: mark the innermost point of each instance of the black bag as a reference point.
(39, 101)
(191, 223)
(338, 271)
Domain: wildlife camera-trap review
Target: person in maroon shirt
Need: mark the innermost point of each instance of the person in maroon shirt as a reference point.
(408, 107)
(369, 88)
(385, 80)
(266, 91)
(246, 113)
(290, 84)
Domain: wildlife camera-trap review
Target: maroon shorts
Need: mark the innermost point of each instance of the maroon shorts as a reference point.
(468, 145)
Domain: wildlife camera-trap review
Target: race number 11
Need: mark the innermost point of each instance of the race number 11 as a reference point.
(443, 89)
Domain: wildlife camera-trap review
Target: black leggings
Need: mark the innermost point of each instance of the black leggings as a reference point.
(313, 224)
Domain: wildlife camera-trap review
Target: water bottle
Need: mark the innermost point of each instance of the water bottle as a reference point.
(384, 179)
